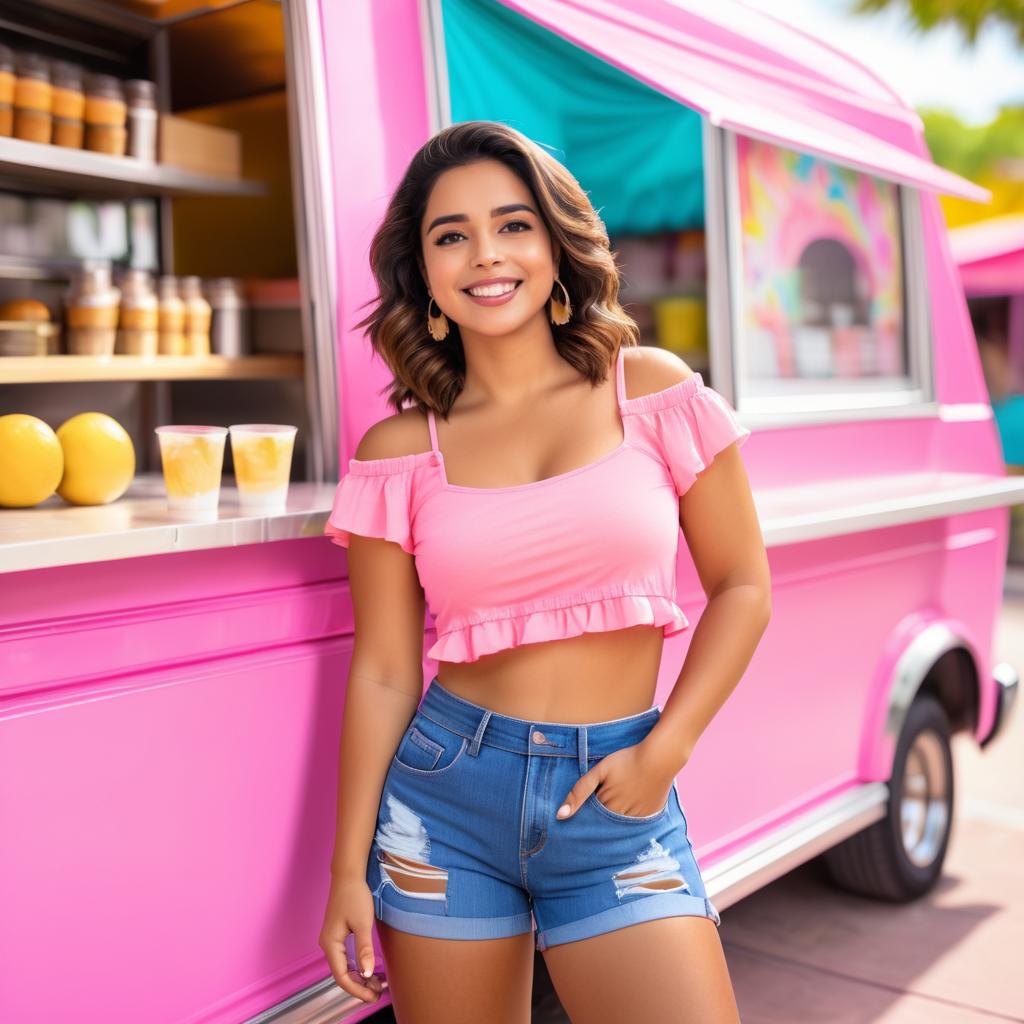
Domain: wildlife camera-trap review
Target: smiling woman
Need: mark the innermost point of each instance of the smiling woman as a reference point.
(532, 494)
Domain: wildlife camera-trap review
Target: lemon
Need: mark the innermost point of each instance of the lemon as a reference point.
(99, 459)
(31, 460)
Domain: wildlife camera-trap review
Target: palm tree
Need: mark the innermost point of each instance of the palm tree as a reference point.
(971, 16)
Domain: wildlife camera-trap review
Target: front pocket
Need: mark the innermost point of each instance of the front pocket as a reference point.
(429, 755)
(615, 816)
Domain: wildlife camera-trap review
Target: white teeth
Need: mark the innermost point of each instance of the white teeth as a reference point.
(493, 289)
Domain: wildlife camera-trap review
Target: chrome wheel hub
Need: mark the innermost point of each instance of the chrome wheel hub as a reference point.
(924, 817)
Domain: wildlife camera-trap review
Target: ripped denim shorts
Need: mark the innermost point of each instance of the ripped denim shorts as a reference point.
(467, 845)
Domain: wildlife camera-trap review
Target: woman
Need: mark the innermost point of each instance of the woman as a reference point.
(533, 495)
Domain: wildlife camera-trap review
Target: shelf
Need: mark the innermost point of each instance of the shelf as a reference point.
(34, 166)
(56, 369)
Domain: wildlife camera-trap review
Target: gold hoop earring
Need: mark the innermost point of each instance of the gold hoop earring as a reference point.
(436, 325)
(560, 311)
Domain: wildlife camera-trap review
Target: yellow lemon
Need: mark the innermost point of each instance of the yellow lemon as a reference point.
(31, 460)
(99, 459)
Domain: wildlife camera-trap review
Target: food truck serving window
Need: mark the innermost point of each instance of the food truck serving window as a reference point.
(820, 297)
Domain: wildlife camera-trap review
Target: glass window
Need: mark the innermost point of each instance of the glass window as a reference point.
(820, 304)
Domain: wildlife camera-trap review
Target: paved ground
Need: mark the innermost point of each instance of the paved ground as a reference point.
(800, 952)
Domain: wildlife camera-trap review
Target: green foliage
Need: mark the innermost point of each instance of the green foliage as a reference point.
(973, 150)
(970, 16)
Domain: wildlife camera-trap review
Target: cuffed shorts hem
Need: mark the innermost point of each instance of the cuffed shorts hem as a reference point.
(649, 908)
(437, 926)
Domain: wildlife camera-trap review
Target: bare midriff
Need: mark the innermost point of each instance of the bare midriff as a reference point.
(579, 680)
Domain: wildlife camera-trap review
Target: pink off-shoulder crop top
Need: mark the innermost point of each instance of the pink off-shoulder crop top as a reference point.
(586, 551)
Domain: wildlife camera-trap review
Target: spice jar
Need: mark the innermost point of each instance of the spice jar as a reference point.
(68, 104)
(198, 314)
(106, 115)
(229, 328)
(33, 95)
(139, 323)
(172, 318)
(142, 118)
(91, 310)
(6, 90)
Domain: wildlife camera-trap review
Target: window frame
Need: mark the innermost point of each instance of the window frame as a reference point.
(726, 321)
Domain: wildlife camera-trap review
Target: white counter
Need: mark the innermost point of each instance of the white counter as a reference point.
(138, 524)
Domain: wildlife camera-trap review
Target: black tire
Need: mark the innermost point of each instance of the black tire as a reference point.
(883, 862)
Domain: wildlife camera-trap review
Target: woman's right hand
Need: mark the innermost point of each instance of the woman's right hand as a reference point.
(350, 911)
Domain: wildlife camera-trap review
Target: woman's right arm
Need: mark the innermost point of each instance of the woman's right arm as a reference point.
(384, 688)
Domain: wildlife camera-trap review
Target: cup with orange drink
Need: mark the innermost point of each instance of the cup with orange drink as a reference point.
(193, 461)
(262, 454)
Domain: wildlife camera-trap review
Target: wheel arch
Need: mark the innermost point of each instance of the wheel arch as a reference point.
(925, 655)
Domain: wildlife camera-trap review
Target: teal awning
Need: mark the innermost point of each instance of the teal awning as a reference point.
(636, 152)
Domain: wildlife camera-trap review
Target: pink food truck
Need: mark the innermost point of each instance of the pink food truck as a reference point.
(171, 691)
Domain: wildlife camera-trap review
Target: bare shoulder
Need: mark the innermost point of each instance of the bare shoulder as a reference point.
(648, 368)
(402, 433)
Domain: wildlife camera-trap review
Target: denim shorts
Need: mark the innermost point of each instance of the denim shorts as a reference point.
(467, 845)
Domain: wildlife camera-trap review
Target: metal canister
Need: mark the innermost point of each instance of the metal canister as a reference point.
(229, 329)
(142, 118)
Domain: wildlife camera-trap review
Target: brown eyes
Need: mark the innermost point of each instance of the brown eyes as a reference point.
(511, 223)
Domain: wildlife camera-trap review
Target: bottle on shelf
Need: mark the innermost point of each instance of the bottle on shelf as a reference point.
(91, 310)
(229, 328)
(198, 314)
(142, 119)
(172, 318)
(68, 104)
(33, 98)
(6, 90)
(106, 115)
(138, 330)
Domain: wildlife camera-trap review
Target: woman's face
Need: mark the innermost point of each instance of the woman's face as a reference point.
(481, 225)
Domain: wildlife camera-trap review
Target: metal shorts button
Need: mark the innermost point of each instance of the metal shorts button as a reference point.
(539, 737)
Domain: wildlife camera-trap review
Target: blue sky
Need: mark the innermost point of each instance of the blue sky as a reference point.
(937, 69)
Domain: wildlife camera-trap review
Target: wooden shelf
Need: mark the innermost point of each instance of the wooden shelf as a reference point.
(54, 369)
(57, 170)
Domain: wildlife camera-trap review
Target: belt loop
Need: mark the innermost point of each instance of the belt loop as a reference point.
(474, 747)
(581, 735)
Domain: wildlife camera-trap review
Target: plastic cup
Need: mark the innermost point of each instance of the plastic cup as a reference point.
(193, 461)
(262, 453)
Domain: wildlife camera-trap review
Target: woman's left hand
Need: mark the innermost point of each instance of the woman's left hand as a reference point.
(633, 781)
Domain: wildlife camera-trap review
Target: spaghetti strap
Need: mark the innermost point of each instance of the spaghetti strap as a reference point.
(620, 376)
(433, 431)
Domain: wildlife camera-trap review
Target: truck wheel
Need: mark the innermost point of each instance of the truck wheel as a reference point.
(900, 856)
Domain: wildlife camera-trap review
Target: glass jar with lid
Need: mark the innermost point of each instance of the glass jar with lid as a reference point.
(91, 309)
(6, 91)
(33, 97)
(172, 318)
(68, 104)
(106, 115)
(138, 328)
(198, 314)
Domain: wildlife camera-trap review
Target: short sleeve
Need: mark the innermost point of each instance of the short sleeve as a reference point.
(690, 423)
(373, 499)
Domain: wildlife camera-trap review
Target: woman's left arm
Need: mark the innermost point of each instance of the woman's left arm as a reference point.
(720, 524)
(721, 528)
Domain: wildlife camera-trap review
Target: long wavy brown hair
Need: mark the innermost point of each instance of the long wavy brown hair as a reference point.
(431, 374)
